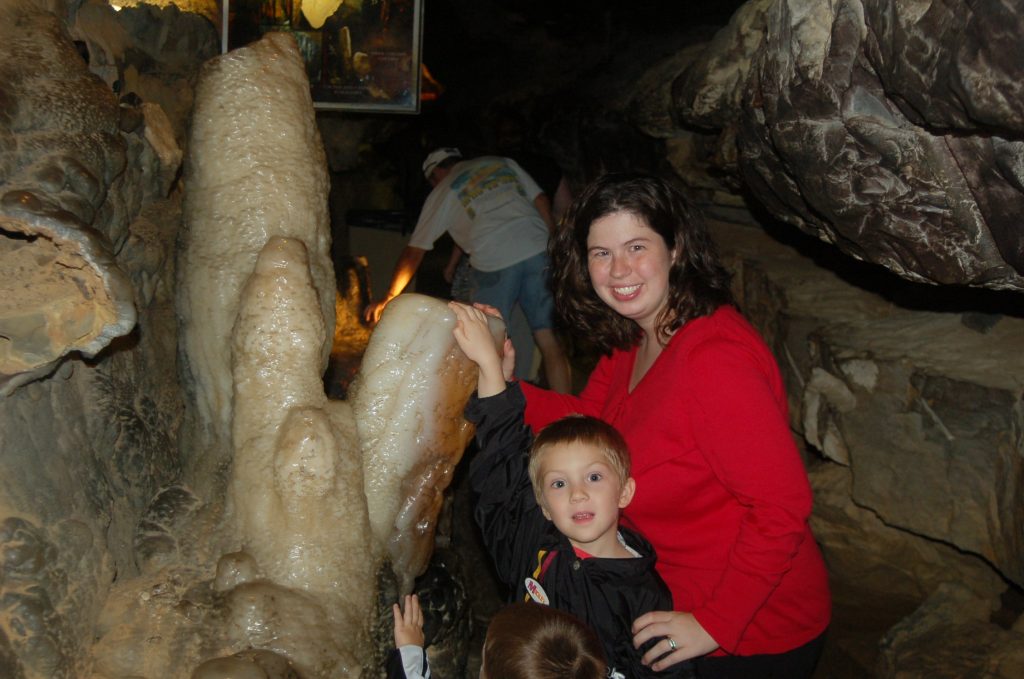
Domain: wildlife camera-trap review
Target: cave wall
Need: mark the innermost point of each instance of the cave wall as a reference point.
(852, 122)
(889, 129)
(87, 226)
(911, 414)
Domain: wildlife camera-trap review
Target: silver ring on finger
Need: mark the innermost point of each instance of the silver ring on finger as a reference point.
(671, 643)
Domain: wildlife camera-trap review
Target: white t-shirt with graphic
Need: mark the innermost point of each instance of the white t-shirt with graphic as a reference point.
(486, 204)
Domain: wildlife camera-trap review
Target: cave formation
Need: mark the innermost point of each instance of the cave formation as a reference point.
(861, 161)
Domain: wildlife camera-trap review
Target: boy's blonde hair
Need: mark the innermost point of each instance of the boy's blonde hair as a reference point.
(580, 429)
(531, 641)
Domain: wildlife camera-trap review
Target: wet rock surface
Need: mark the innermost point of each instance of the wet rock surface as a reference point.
(913, 419)
(887, 129)
(67, 195)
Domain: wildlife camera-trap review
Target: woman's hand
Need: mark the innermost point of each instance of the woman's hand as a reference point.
(408, 623)
(682, 628)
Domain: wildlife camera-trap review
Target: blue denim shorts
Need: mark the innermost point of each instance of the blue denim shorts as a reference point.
(525, 282)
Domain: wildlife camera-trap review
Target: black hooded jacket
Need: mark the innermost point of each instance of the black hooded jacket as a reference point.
(608, 594)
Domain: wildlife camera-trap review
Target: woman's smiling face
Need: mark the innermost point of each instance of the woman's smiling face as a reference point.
(629, 266)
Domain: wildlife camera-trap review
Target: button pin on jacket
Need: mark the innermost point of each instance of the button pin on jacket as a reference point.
(536, 592)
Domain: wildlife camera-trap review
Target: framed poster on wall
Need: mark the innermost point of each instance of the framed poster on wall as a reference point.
(361, 55)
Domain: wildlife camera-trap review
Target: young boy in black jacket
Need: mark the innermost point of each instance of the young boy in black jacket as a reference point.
(549, 510)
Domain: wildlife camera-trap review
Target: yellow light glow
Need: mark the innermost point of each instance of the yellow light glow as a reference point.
(317, 11)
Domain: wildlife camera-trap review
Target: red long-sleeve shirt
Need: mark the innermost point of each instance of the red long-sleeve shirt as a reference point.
(721, 491)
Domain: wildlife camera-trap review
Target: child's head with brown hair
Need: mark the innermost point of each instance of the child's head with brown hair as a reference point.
(579, 469)
(531, 641)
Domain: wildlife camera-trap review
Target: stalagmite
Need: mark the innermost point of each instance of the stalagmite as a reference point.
(296, 482)
(256, 169)
(408, 400)
(294, 589)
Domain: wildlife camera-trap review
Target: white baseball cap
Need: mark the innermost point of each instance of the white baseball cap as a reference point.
(439, 156)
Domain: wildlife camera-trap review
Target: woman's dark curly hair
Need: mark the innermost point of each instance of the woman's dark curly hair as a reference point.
(698, 284)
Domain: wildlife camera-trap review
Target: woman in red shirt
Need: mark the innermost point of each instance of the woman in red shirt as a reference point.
(721, 491)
